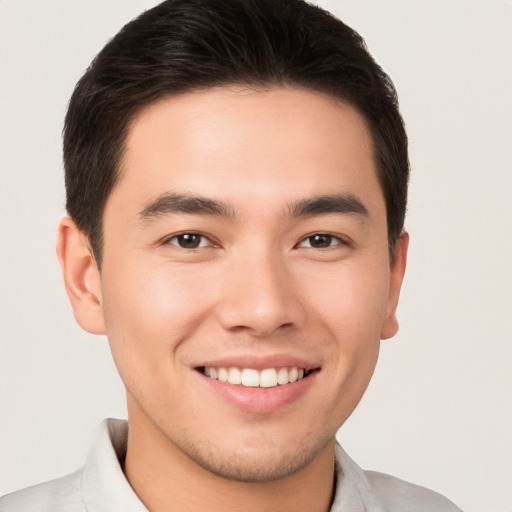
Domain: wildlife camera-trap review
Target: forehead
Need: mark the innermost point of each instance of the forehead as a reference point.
(242, 145)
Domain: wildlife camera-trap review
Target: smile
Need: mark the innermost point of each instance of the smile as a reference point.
(249, 377)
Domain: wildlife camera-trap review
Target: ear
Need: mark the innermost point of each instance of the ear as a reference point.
(390, 325)
(81, 277)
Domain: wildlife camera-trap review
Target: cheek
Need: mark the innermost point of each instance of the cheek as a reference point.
(353, 316)
(350, 305)
(149, 313)
(351, 301)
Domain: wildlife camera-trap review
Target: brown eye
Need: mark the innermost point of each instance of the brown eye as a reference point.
(320, 241)
(189, 241)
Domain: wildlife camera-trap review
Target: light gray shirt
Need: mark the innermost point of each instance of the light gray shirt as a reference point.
(100, 486)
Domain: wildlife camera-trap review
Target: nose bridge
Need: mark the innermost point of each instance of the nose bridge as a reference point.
(259, 293)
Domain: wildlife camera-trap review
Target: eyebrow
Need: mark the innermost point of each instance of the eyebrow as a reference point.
(318, 205)
(325, 205)
(181, 203)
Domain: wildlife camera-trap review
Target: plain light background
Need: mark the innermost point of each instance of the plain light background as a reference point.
(438, 411)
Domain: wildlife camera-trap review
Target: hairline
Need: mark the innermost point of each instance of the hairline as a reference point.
(96, 238)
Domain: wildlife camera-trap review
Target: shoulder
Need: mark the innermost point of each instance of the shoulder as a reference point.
(59, 495)
(399, 496)
(369, 491)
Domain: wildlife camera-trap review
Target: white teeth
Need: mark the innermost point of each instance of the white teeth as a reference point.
(282, 376)
(222, 374)
(234, 376)
(248, 377)
(268, 378)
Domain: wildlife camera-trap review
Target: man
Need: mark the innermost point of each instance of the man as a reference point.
(236, 178)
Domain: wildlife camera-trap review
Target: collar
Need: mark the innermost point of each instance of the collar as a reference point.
(103, 486)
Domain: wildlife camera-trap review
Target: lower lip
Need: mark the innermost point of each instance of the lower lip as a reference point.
(260, 400)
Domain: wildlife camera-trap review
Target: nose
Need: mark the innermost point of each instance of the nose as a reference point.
(260, 296)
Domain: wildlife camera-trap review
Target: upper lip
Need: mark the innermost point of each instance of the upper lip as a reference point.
(259, 362)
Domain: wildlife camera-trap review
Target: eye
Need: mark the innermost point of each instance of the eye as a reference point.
(320, 241)
(189, 241)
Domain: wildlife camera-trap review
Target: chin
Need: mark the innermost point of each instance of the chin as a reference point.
(257, 461)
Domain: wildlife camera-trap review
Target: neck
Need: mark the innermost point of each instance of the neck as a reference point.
(164, 478)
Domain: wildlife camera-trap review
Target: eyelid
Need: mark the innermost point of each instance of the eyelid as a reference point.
(168, 240)
(340, 240)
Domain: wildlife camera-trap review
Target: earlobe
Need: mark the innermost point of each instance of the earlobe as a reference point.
(81, 277)
(390, 324)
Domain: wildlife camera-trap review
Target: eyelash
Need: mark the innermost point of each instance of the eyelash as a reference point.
(189, 234)
(329, 238)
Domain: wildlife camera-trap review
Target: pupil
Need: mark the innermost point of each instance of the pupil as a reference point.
(320, 241)
(189, 241)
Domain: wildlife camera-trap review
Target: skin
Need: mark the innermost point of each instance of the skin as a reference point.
(256, 286)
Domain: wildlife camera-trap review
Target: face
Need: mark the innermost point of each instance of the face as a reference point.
(246, 283)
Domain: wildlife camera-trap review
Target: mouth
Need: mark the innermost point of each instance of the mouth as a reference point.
(252, 378)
